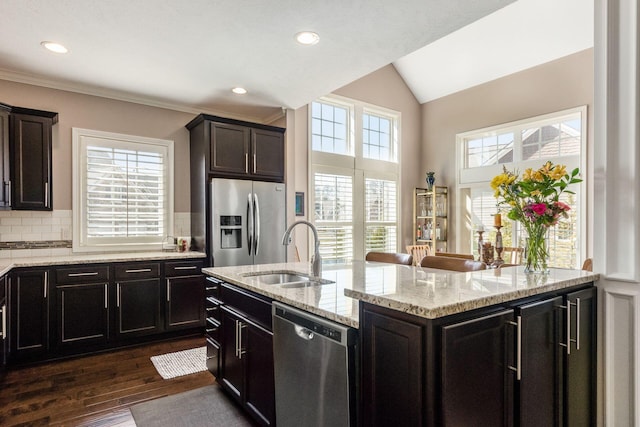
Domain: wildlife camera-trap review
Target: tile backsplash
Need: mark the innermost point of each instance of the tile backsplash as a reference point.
(50, 233)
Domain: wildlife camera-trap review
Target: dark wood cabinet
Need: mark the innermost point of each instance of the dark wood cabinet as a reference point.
(185, 295)
(229, 148)
(138, 299)
(29, 319)
(4, 332)
(213, 324)
(247, 370)
(394, 343)
(475, 382)
(4, 155)
(30, 163)
(267, 150)
(529, 362)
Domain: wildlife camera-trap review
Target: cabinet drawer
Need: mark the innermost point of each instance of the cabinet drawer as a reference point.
(84, 274)
(253, 306)
(213, 357)
(212, 308)
(183, 268)
(212, 287)
(137, 271)
(212, 329)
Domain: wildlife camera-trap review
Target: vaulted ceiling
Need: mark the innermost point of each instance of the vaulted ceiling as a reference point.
(188, 55)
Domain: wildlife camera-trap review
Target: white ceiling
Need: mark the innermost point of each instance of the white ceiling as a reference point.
(520, 36)
(187, 55)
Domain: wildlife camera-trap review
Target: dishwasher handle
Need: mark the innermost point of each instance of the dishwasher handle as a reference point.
(303, 333)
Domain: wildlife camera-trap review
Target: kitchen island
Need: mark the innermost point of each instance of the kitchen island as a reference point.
(493, 347)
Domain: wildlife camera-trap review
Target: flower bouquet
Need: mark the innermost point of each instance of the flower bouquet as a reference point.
(534, 201)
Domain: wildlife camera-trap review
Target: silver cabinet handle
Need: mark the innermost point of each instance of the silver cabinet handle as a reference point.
(4, 322)
(236, 343)
(256, 222)
(168, 290)
(241, 351)
(106, 296)
(518, 368)
(93, 273)
(190, 267)
(46, 282)
(46, 194)
(139, 270)
(118, 295)
(254, 163)
(577, 324)
(246, 162)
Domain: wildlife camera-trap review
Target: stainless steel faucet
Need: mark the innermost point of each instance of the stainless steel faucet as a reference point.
(316, 259)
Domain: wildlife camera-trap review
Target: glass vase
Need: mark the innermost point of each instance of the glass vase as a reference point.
(536, 252)
(431, 179)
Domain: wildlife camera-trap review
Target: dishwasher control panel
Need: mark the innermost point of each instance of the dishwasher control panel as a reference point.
(317, 325)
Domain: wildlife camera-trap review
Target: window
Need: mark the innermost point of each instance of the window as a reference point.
(558, 137)
(122, 191)
(354, 178)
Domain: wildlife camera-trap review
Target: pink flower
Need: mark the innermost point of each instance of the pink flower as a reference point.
(563, 206)
(539, 208)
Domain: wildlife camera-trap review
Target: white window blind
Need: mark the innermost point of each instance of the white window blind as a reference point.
(123, 191)
(381, 200)
(333, 195)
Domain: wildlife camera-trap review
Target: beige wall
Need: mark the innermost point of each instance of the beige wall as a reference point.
(92, 112)
(384, 88)
(565, 83)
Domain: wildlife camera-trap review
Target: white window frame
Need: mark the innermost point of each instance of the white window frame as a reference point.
(81, 138)
(355, 165)
(480, 177)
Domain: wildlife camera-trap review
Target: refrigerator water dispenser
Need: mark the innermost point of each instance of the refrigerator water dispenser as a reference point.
(230, 231)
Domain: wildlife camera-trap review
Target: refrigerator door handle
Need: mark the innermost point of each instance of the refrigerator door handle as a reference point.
(256, 221)
(249, 223)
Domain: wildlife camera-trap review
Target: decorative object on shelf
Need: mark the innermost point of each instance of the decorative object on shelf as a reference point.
(480, 230)
(430, 180)
(498, 261)
(534, 201)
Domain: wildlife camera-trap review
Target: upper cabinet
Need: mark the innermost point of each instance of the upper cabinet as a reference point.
(25, 147)
(237, 149)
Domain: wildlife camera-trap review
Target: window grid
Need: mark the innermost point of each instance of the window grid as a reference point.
(376, 137)
(329, 128)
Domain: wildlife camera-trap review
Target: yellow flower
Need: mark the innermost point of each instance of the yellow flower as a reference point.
(528, 174)
(499, 180)
(536, 193)
(558, 172)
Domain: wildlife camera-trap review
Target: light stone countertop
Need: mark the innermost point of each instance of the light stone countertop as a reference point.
(423, 292)
(9, 263)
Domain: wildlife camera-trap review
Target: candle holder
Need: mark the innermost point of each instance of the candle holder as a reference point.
(499, 248)
(480, 244)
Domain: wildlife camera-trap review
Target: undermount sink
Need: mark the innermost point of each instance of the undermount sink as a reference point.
(287, 279)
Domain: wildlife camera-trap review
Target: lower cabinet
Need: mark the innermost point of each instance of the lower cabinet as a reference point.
(76, 309)
(526, 363)
(247, 371)
(3, 324)
(29, 314)
(185, 295)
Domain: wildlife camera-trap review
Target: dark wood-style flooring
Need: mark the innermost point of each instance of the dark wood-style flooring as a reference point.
(93, 390)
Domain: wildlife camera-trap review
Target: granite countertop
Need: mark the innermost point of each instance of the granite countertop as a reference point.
(9, 263)
(423, 292)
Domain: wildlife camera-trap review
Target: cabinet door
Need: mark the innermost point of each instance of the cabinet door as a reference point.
(231, 372)
(580, 389)
(392, 371)
(30, 146)
(229, 149)
(185, 302)
(267, 148)
(82, 315)
(4, 333)
(259, 390)
(541, 363)
(29, 299)
(138, 305)
(476, 384)
(4, 158)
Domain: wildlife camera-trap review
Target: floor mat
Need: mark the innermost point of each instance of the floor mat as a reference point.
(180, 363)
(205, 406)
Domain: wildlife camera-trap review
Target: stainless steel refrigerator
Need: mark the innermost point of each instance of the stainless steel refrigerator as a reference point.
(248, 219)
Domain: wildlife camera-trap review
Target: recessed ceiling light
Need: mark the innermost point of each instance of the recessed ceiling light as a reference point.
(54, 47)
(239, 90)
(307, 38)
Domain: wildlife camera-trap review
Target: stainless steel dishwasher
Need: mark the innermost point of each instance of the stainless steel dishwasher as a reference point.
(315, 363)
